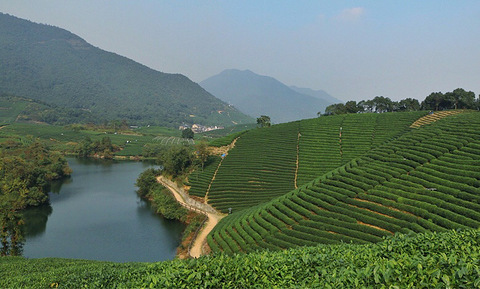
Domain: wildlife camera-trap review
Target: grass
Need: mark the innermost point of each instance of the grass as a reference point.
(63, 138)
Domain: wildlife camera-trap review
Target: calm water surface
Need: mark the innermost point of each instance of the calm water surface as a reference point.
(97, 215)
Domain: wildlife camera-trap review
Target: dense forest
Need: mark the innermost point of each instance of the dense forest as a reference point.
(26, 172)
(62, 70)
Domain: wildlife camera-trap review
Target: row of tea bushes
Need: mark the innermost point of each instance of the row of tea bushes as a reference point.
(428, 260)
(374, 191)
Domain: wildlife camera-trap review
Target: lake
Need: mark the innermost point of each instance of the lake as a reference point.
(97, 215)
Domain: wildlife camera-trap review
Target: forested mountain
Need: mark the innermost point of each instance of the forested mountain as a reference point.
(258, 95)
(322, 94)
(57, 67)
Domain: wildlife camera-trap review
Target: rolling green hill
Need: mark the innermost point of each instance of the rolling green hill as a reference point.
(347, 178)
(426, 179)
(57, 67)
(269, 162)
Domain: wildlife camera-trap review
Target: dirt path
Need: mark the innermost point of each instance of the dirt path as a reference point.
(296, 162)
(197, 248)
(223, 151)
(183, 199)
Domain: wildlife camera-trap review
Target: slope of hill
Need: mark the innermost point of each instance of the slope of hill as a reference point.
(269, 162)
(55, 66)
(322, 94)
(20, 109)
(443, 260)
(258, 95)
(427, 179)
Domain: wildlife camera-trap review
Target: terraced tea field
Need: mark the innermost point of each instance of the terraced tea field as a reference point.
(269, 162)
(426, 179)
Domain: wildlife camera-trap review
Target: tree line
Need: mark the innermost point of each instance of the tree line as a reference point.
(26, 172)
(436, 101)
(100, 148)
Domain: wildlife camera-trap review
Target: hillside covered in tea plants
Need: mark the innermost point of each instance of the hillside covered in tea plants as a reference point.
(350, 178)
(428, 260)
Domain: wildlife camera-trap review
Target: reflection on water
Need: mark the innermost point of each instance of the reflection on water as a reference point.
(96, 214)
(36, 220)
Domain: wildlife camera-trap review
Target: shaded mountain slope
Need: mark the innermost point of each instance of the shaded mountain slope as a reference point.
(53, 65)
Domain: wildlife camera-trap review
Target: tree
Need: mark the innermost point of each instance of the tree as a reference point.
(461, 99)
(333, 109)
(407, 104)
(264, 121)
(432, 101)
(382, 104)
(146, 181)
(457, 99)
(351, 107)
(188, 133)
(202, 152)
(176, 159)
(366, 105)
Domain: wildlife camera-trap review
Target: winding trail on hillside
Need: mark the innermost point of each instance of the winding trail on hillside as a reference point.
(184, 199)
(297, 160)
(224, 152)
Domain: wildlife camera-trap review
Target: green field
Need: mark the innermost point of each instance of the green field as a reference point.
(64, 138)
(263, 164)
(427, 179)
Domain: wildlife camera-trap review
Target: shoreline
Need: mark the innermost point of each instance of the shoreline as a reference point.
(183, 199)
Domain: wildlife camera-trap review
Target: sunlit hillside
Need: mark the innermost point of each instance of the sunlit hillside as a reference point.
(374, 176)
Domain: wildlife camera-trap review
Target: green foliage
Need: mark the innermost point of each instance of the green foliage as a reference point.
(457, 99)
(425, 179)
(177, 159)
(264, 121)
(25, 176)
(146, 182)
(263, 163)
(162, 200)
(430, 260)
(226, 140)
(187, 133)
(166, 205)
(100, 148)
(84, 82)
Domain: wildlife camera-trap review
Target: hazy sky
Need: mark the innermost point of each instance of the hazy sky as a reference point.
(352, 49)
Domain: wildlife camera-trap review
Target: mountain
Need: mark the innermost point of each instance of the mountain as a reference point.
(57, 67)
(257, 95)
(322, 94)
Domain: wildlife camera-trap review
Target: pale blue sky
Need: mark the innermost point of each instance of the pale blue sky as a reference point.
(352, 49)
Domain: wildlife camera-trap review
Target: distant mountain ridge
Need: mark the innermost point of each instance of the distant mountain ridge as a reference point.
(55, 66)
(257, 95)
(322, 94)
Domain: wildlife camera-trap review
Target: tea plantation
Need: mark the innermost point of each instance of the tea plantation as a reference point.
(426, 179)
(428, 260)
(386, 200)
(269, 162)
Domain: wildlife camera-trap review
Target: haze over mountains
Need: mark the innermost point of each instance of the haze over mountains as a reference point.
(59, 68)
(257, 95)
